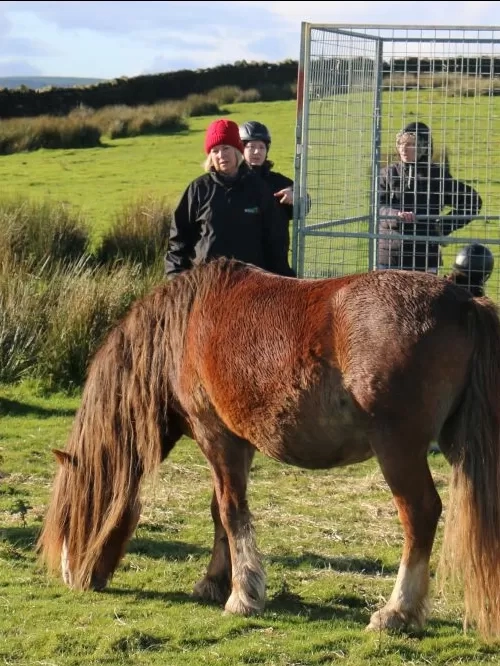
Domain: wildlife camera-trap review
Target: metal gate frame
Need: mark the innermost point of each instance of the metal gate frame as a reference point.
(300, 192)
(302, 230)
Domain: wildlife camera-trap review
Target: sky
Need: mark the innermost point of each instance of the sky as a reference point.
(107, 40)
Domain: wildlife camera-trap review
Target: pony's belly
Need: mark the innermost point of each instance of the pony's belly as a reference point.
(320, 449)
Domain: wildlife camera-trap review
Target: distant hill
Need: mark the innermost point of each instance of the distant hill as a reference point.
(36, 82)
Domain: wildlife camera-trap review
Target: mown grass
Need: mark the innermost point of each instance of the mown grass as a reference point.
(331, 543)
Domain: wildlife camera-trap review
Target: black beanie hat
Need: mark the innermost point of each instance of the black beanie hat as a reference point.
(422, 134)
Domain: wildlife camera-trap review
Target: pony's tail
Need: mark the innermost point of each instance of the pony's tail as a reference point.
(471, 546)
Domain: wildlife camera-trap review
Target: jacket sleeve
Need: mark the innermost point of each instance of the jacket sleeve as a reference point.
(385, 186)
(462, 199)
(282, 182)
(276, 237)
(182, 236)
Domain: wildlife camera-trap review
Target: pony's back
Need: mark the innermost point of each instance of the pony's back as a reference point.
(270, 352)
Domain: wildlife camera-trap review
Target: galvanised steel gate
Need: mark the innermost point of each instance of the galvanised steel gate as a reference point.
(359, 85)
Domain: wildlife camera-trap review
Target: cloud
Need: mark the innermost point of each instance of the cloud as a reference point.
(23, 46)
(18, 68)
(133, 17)
(109, 39)
(392, 13)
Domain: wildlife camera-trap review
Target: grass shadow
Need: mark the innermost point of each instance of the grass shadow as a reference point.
(363, 565)
(169, 550)
(16, 408)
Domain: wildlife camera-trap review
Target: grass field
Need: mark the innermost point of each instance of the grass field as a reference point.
(331, 540)
(98, 182)
(331, 543)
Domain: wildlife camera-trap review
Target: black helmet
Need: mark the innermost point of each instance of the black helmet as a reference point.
(475, 260)
(255, 131)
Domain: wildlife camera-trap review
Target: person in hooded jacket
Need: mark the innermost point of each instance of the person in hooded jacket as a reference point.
(227, 212)
(413, 192)
(256, 140)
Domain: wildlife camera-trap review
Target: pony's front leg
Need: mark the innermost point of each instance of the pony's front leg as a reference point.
(230, 459)
(419, 508)
(216, 584)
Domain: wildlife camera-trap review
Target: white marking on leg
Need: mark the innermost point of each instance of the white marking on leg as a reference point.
(66, 573)
(249, 580)
(410, 590)
(408, 605)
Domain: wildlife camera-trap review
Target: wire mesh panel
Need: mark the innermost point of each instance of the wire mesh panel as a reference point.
(359, 87)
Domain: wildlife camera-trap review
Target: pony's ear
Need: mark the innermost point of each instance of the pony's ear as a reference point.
(64, 458)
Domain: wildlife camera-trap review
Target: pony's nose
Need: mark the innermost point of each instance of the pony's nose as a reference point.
(98, 582)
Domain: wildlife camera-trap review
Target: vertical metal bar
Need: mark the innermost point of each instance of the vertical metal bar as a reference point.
(373, 215)
(300, 186)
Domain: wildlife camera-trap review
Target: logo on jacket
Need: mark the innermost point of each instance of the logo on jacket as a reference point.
(254, 210)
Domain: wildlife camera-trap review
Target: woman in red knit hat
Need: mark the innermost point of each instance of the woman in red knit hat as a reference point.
(228, 211)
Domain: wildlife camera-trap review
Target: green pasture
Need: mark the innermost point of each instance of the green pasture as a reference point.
(98, 182)
(331, 543)
(331, 540)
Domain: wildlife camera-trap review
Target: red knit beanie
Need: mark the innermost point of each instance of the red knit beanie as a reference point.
(223, 132)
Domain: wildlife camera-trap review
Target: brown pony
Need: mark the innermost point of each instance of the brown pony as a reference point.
(313, 373)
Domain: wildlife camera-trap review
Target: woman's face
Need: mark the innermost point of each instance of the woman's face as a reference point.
(255, 153)
(225, 159)
(407, 148)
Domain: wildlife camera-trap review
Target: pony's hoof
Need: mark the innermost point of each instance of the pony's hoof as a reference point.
(392, 620)
(386, 619)
(211, 589)
(236, 605)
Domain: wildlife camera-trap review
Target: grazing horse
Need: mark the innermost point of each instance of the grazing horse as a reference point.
(313, 373)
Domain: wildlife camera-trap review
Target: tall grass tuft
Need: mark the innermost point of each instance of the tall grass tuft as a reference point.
(54, 316)
(32, 232)
(28, 134)
(85, 302)
(200, 105)
(139, 233)
(123, 121)
(23, 319)
(56, 301)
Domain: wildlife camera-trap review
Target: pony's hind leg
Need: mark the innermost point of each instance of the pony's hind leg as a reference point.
(235, 556)
(419, 507)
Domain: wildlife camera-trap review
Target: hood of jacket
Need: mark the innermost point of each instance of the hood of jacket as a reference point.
(423, 140)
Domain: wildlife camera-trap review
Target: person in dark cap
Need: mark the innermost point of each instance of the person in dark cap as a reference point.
(256, 140)
(472, 267)
(228, 211)
(412, 195)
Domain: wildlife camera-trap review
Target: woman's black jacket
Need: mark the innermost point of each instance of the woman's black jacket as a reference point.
(236, 218)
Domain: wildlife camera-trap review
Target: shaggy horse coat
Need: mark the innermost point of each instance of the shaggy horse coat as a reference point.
(313, 373)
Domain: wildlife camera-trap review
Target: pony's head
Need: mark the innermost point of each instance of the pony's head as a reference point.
(84, 537)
